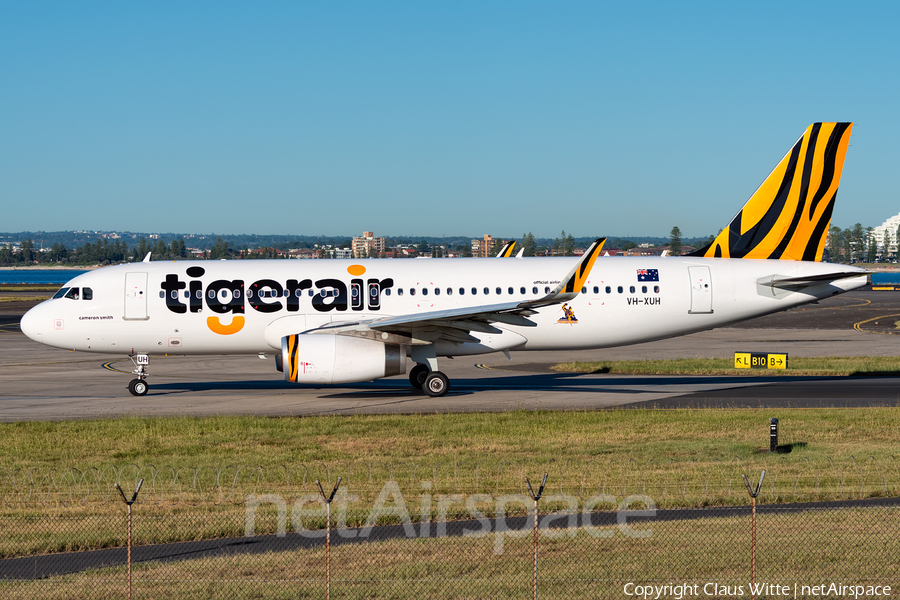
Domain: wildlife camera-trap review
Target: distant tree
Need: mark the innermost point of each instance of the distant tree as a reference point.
(528, 244)
(885, 245)
(857, 243)
(871, 245)
(835, 239)
(142, 249)
(628, 245)
(675, 241)
(219, 249)
(159, 250)
(498, 246)
(27, 251)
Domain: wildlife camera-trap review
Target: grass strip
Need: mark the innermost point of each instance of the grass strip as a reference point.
(852, 546)
(22, 298)
(800, 366)
(537, 437)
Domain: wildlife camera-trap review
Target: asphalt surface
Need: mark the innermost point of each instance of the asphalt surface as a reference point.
(40, 383)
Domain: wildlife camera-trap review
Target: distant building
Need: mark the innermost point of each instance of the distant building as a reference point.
(483, 248)
(367, 246)
(886, 238)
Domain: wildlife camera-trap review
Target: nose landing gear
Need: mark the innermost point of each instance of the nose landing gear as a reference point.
(139, 386)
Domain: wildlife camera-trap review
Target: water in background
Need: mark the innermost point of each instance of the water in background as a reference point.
(50, 277)
(885, 278)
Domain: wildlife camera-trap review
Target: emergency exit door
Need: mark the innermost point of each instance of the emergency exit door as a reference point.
(701, 290)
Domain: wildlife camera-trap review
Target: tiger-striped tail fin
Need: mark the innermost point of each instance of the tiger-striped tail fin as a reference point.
(788, 216)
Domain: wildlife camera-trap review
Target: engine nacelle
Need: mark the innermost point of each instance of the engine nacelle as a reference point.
(322, 358)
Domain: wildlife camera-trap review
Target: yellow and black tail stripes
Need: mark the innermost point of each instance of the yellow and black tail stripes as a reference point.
(787, 218)
(580, 274)
(507, 250)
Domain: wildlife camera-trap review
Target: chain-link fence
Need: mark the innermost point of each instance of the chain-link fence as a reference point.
(618, 529)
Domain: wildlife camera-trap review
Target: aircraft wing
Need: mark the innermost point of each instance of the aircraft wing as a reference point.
(455, 324)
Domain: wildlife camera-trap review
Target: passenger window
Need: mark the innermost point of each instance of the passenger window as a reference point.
(631, 289)
(399, 291)
(161, 295)
(412, 291)
(547, 290)
(449, 291)
(312, 293)
(620, 289)
(644, 289)
(62, 292)
(462, 291)
(596, 290)
(608, 290)
(656, 289)
(387, 292)
(187, 294)
(510, 290)
(174, 295)
(250, 293)
(534, 290)
(487, 291)
(584, 290)
(424, 291)
(72, 294)
(521, 290)
(499, 291)
(474, 291)
(298, 293)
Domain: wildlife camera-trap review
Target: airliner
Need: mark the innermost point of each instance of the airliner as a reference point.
(344, 321)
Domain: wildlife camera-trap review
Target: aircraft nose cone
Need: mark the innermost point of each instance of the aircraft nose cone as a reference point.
(31, 324)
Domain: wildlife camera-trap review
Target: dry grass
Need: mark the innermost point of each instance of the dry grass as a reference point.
(799, 366)
(849, 545)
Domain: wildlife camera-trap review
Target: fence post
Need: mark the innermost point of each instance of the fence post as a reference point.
(753, 495)
(535, 497)
(328, 500)
(128, 503)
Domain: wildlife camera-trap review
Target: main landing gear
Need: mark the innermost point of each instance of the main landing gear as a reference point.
(425, 376)
(139, 386)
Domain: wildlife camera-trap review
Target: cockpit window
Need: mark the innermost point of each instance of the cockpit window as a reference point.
(60, 293)
(73, 294)
(87, 294)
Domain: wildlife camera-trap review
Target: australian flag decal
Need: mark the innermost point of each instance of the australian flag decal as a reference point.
(648, 274)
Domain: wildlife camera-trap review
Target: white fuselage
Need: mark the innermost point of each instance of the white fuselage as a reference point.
(235, 307)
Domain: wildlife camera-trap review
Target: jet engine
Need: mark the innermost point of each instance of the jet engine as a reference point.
(323, 358)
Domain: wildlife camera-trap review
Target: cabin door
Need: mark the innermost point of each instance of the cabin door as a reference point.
(701, 290)
(136, 296)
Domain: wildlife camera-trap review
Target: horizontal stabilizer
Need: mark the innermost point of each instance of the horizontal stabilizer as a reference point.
(796, 282)
(778, 286)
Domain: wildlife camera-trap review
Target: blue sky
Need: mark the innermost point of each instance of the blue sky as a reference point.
(423, 118)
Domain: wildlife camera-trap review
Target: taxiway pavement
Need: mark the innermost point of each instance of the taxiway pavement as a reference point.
(41, 383)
